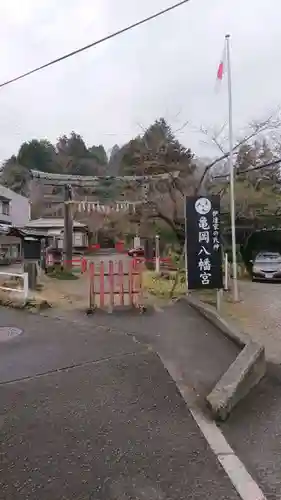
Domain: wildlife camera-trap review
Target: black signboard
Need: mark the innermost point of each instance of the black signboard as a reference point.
(31, 248)
(203, 242)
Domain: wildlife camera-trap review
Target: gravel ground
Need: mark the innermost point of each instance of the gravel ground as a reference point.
(259, 314)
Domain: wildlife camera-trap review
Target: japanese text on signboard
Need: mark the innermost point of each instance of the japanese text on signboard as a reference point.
(203, 243)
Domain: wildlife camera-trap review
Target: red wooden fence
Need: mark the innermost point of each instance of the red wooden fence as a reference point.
(111, 285)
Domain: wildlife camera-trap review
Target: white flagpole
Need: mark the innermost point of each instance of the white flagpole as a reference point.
(232, 177)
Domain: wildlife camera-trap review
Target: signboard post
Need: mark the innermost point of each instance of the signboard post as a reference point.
(31, 255)
(203, 243)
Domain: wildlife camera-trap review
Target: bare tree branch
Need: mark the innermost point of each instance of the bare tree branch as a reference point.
(257, 127)
(181, 128)
(215, 137)
(259, 167)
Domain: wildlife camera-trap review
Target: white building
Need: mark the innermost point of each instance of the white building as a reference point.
(14, 208)
(54, 229)
(14, 211)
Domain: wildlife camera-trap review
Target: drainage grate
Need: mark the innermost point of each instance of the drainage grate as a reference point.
(9, 332)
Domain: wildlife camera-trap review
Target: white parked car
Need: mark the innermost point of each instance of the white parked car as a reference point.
(267, 267)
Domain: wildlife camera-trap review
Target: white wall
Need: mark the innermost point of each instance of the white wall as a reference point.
(79, 239)
(4, 217)
(19, 207)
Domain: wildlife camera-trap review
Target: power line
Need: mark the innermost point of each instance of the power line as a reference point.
(93, 44)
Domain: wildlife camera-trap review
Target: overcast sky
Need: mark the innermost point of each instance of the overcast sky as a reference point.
(165, 68)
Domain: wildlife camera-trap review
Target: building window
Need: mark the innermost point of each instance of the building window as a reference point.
(5, 207)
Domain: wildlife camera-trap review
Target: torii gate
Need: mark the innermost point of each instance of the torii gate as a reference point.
(69, 181)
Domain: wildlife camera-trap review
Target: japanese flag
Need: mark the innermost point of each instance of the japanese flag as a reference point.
(222, 66)
(220, 71)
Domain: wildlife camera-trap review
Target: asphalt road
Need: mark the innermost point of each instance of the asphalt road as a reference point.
(200, 355)
(181, 337)
(90, 414)
(254, 428)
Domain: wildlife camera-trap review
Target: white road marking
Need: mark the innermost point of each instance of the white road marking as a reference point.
(242, 481)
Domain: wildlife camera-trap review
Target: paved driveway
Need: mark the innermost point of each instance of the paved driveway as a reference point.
(90, 414)
(259, 314)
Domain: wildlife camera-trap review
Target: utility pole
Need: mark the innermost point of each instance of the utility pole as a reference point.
(68, 229)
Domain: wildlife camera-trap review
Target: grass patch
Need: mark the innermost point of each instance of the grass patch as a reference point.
(161, 285)
(76, 270)
(62, 274)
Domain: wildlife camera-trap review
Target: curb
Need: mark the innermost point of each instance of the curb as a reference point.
(238, 337)
(244, 373)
